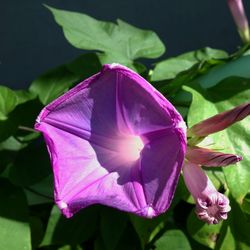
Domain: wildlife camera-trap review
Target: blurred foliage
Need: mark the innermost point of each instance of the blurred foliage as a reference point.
(199, 83)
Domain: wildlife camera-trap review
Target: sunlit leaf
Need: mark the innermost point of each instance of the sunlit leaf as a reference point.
(14, 220)
(11, 144)
(119, 43)
(239, 227)
(53, 83)
(24, 96)
(226, 239)
(8, 101)
(169, 68)
(24, 114)
(173, 239)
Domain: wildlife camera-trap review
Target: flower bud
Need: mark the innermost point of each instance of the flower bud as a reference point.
(221, 121)
(209, 158)
(237, 9)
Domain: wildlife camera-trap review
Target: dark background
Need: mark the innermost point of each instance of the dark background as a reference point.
(31, 42)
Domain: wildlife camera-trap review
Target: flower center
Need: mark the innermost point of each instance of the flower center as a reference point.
(213, 210)
(130, 147)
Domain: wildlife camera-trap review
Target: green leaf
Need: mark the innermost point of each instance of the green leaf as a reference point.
(200, 108)
(69, 247)
(24, 96)
(171, 87)
(113, 223)
(70, 231)
(129, 240)
(216, 175)
(239, 67)
(14, 221)
(85, 65)
(53, 84)
(173, 239)
(12, 144)
(182, 192)
(202, 232)
(23, 115)
(226, 239)
(37, 232)
(182, 98)
(147, 229)
(8, 101)
(30, 136)
(8, 127)
(224, 96)
(5, 160)
(120, 43)
(239, 227)
(31, 165)
(170, 68)
(41, 192)
(99, 244)
(245, 206)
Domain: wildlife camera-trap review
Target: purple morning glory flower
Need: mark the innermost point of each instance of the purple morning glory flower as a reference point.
(114, 140)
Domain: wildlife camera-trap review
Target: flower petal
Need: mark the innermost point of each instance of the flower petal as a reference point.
(197, 181)
(161, 162)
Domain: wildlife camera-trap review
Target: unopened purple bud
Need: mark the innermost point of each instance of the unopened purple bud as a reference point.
(210, 158)
(211, 206)
(237, 9)
(221, 121)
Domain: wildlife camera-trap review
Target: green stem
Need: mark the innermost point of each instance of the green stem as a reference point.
(27, 129)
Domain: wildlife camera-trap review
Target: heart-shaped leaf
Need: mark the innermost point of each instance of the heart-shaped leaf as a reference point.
(119, 43)
(169, 68)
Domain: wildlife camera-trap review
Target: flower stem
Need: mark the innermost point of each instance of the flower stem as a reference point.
(27, 129)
